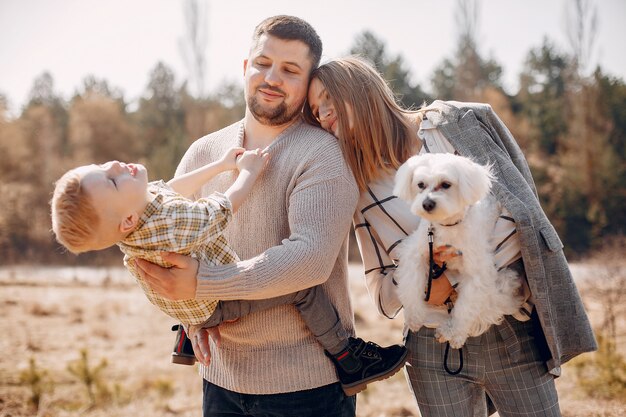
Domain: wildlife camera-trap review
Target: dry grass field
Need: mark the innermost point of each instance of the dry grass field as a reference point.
(50, 315)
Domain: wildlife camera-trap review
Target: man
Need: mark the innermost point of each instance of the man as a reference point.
(292, 230)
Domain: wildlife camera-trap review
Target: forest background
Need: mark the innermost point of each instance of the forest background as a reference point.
(569, 119)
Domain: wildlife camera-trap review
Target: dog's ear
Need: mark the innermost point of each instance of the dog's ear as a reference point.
(475, 181)
(403, 182)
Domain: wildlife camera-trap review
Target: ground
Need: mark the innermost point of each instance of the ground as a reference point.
(51, 314)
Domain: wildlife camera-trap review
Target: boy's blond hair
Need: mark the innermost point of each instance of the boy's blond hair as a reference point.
(74, 217)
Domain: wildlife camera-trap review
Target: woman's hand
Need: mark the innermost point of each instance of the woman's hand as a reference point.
(441, 288)
(445, 253)
(440, 291)
(175, 283)
(200, 342)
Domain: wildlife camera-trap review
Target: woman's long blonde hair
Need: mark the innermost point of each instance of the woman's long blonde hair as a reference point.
(383, 135)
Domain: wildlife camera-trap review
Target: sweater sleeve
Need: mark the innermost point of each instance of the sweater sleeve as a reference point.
(319, 217)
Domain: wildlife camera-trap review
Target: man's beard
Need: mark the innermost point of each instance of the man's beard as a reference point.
(277, 116)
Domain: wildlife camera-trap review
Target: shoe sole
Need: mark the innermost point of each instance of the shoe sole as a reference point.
(354, 389)
(183, 360)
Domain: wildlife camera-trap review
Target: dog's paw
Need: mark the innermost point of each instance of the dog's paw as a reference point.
(444, 332)
(447, 333)
(457, 342)
(413, 323)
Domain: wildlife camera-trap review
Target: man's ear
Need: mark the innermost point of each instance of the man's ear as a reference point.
(129, 223)
(245, 66)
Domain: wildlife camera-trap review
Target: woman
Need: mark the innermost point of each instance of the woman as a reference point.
(509, 363)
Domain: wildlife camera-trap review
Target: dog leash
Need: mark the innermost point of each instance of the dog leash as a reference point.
(434, 272)
(445, 360)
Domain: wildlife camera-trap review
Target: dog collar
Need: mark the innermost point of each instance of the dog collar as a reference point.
(458, 221)
(452, 224)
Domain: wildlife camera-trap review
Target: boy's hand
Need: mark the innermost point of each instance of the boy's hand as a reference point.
(253, 161)
(229, 159)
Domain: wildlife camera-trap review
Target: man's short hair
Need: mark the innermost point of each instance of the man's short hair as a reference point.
(291, 28)
(74, 218)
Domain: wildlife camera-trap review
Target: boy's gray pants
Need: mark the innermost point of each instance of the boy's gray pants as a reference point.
(313, 304)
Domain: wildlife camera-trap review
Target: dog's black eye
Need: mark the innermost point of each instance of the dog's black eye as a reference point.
(445, 185)
(420, 185)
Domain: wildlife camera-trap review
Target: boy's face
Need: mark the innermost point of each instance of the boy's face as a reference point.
(116, 189)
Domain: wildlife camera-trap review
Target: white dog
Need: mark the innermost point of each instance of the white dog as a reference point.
(451, 194)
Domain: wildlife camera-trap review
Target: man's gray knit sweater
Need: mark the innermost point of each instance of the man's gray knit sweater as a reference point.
(291, 233)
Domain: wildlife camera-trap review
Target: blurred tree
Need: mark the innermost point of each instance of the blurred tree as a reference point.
(99, 127)
(611, 102)
(542, 103)
(594, 169)
(393, 69)
(42, 91)
(4, 107)
(45, 118)
(161, 121)
(213, 113)
(31, 146)
(586, 160)
(13, 164)
(193, 45)
(25, 169)
(231, 95)
(542, 96)
(464, 76)
(100, 87)
(581, 25)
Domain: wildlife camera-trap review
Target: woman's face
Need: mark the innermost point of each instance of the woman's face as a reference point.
(323, 108)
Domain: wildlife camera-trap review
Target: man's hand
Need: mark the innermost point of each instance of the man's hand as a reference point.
(200, 341)
(175, 283)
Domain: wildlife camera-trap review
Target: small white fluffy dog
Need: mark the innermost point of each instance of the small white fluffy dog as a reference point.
(451, 194)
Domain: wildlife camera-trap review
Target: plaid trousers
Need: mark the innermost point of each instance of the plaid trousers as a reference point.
(506, 363)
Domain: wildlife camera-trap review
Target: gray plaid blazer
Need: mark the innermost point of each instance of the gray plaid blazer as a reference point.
(473, 129)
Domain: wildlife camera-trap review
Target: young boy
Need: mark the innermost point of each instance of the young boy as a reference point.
(97, 206)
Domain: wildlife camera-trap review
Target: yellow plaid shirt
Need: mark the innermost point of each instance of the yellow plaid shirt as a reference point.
(172, 223)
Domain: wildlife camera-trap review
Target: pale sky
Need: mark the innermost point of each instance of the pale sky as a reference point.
(122, 40)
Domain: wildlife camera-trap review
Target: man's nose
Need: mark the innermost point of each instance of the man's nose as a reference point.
(272, 76)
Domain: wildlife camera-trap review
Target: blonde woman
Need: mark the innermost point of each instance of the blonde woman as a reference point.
(512, 364)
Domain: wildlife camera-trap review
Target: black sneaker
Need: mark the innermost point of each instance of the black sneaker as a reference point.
(364, 362)
(183, 351)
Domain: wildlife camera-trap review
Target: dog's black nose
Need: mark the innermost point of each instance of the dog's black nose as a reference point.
(429, 204)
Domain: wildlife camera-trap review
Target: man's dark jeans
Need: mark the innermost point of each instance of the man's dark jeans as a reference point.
(327, 401)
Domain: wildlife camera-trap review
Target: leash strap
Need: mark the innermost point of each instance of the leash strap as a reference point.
(445, 360)
(434, 270)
